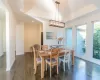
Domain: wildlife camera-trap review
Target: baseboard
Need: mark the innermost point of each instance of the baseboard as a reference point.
(97, 62)
(10, 67)
(4, 53)
(19, 53)
(27, 52)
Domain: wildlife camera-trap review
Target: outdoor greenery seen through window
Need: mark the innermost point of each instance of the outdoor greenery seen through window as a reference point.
(96, 41)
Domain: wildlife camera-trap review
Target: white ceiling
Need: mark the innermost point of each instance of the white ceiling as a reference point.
(17, 7)
(69, 9)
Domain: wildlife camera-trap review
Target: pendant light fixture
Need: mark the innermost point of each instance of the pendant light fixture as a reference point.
(56, 22)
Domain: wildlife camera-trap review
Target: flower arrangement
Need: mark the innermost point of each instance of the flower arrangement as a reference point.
(59, 40)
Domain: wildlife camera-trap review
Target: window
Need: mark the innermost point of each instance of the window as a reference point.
(69, 37)
(96, 40)
(81, 40)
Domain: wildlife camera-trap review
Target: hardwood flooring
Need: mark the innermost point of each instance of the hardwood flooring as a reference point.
(3, 62)
(23, 70)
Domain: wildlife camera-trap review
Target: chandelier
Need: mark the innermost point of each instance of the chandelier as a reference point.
(56, 22)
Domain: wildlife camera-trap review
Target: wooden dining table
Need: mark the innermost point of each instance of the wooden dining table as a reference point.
(44, 55)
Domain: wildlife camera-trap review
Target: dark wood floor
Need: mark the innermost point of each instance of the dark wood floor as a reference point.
(23, 70)
(3, 62)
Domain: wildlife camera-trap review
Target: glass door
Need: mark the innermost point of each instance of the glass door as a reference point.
(69, 37)
(81, 40)
(96, 41)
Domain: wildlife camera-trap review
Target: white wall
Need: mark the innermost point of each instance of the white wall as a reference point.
(88, 20)
(20, 38)
(1, 38)
(10, 37)
(4, 36)
(60, 32)
(32, 35)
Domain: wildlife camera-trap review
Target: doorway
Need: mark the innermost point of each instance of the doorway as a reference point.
(2, 37)
(41, 38)
(81, 40)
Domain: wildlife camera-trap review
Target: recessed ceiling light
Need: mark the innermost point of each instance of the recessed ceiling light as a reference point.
(32, 21)
(21, 10)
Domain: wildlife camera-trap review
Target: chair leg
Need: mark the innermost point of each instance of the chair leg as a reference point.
(50, 71)
(35, 69)
(59, 62)
(68, 65)
(64, 65)
(57, 70)
(34, 66)
(46, 66)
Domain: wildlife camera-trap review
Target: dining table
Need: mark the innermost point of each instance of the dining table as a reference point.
(44, 55)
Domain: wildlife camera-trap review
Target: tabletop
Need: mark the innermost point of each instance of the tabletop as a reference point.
(46, 53)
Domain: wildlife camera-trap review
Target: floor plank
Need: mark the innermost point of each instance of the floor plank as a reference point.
(3, 62)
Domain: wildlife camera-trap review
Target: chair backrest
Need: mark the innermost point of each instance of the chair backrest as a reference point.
(37, 48)
(54, 53)
(34, 54)
(67, 54)
(31, 49)
(44, 47)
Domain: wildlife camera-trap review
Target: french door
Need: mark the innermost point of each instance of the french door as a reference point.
(69, 37)
(81, 40)
(96, 40)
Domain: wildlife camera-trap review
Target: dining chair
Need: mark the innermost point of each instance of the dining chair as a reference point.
(37, 60)
(65, 59)
(53, 60)
(44, 47)
(37, 48)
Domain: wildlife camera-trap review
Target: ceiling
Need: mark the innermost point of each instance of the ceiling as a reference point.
(26, 18)
(17, 7)
(69, 9)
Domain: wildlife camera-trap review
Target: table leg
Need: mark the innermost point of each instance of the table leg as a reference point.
(72, 57)
(42, 67)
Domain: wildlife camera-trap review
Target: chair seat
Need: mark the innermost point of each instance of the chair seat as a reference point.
(38, 60)
(53, 60)
(62, 58)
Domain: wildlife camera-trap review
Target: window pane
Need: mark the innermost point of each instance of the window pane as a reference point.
(96, 41)
(69, 37)
(81, 40)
